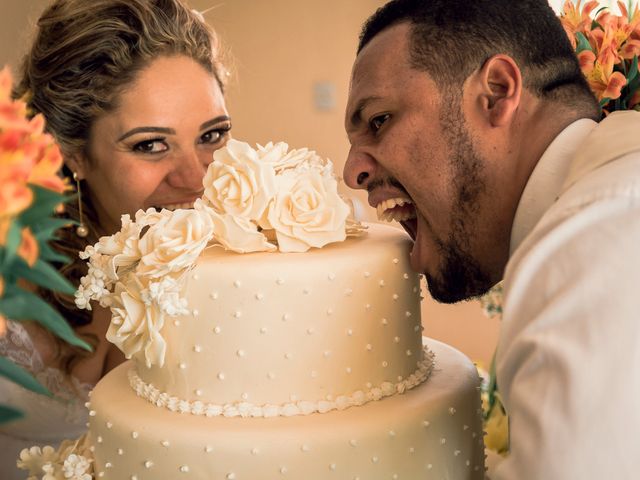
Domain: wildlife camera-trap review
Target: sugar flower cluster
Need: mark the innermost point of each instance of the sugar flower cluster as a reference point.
(255, 200)
(72, 461)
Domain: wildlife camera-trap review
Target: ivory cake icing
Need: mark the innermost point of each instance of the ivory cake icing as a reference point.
(270, 336)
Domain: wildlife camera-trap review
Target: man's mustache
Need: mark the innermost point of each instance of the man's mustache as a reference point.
(381, 182)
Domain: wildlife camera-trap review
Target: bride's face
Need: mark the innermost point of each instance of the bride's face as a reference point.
(154, 148)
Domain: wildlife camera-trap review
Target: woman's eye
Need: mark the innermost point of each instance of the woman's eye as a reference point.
(215, 135)
(150, 146)
(376, 122)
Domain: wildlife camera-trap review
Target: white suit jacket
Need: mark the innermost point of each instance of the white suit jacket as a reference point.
(568, 358)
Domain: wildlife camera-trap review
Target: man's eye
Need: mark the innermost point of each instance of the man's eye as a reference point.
(376, 122)
(150, 146)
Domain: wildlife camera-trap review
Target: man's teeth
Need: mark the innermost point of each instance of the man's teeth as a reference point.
(388, 212)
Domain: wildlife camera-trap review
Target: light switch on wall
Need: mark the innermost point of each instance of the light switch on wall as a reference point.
(324, 96)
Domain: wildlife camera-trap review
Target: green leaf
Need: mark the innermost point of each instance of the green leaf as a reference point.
(604, 101)
(46, 228)
(633, 70)
(14, 237)
(8, 414)
(20, 376)
(48, 254)
(582, 43)
(19, 304)
(42, 274)
(44, 203)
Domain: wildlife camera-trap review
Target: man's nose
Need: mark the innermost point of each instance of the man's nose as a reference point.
(359, 169)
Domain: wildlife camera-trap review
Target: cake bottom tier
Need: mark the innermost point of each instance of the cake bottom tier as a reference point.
(431, 432)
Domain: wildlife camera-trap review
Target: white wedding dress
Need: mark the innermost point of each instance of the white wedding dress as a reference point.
(47, 420)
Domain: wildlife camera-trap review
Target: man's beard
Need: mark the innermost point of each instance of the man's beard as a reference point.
(461, 276)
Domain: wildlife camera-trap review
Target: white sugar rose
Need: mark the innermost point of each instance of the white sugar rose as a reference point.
(238, 182)
(280, 159)
(174, 242)
(237, 234)
(307, 211)
(135, 325)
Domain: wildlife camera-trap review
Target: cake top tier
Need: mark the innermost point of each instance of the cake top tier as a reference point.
(255, 200)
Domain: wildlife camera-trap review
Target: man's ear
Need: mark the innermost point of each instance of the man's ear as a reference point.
(499, 84)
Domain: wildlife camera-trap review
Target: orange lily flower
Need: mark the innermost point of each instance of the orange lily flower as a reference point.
(575, 19)
(28, 248)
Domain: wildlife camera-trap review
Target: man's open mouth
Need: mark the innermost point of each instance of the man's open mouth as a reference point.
(399, 209)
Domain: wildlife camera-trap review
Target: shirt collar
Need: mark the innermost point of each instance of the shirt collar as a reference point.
(544, 184)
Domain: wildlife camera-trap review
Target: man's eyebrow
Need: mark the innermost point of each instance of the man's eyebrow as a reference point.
(356, 117)
(133, 131)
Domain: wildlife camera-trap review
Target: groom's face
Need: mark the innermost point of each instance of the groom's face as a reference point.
(412, 151)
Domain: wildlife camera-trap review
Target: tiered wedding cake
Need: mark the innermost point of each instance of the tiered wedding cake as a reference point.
(273, 364)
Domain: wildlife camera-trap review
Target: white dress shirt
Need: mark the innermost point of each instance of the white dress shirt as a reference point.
(568, 358)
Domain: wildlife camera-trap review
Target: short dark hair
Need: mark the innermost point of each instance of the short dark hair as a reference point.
(450, 39)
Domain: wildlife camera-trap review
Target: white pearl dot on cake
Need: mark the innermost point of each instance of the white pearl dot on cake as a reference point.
(396, 339)
(305, 448)
(349, 332)
(416, 328)
(452, 411)
(245, 396)
(381, 283)
(409, 353)
(395, 296)
(99, 439)
(231, 476)
(237, 283)
(348, 370)
(407, 314)
(241, 353)
(348, 292)
(217, 329)
(120, 451)
(237, 314)
(176, 323)
(474, 434)
(148, 464)
(197, 348)
(426, 423)
(108, 465)
(213, 295)
(184, 469)
(429, 466)
(369, 385)
(314, 374)
(367, 274)
(259, 296)
(374, 459)
(392, 433)
(109, 424)
(353, 442)
(293, 397)
(331, 276)
(443, 441)
(394, 476)
(326, 353)
(133, 477)
(385, 321)
(468, 463)
(329, 311)
(220, 376)
(406, 276)
(263, 330)
(165, 443)
(465, 428)
(196, 276)
(369, 347)
(288, 356)
(310, 331)
(333, 466)
(399, 378)
(87, 404)
(134, 434)
(367, 306)
(412, 450)
(92, 413)
(195, 312)
(395, 260)
(456, 453)
(100, 474)
(283, 470)
(208, 449)
(306, 291)
(286, 317)
(182, 365)
(280, 281)
(255, 451)
(198, 392)
(385, 364)
(271, 375)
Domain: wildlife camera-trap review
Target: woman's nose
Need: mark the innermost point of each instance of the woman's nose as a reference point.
(190, 169)
(359, 169)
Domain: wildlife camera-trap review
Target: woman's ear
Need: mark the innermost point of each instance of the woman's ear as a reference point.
(500, 88)
(76, 162)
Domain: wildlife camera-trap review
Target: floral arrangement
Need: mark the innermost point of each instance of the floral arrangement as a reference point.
(30, 193)
(607, 47)
(72, 461)
(255, 200)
